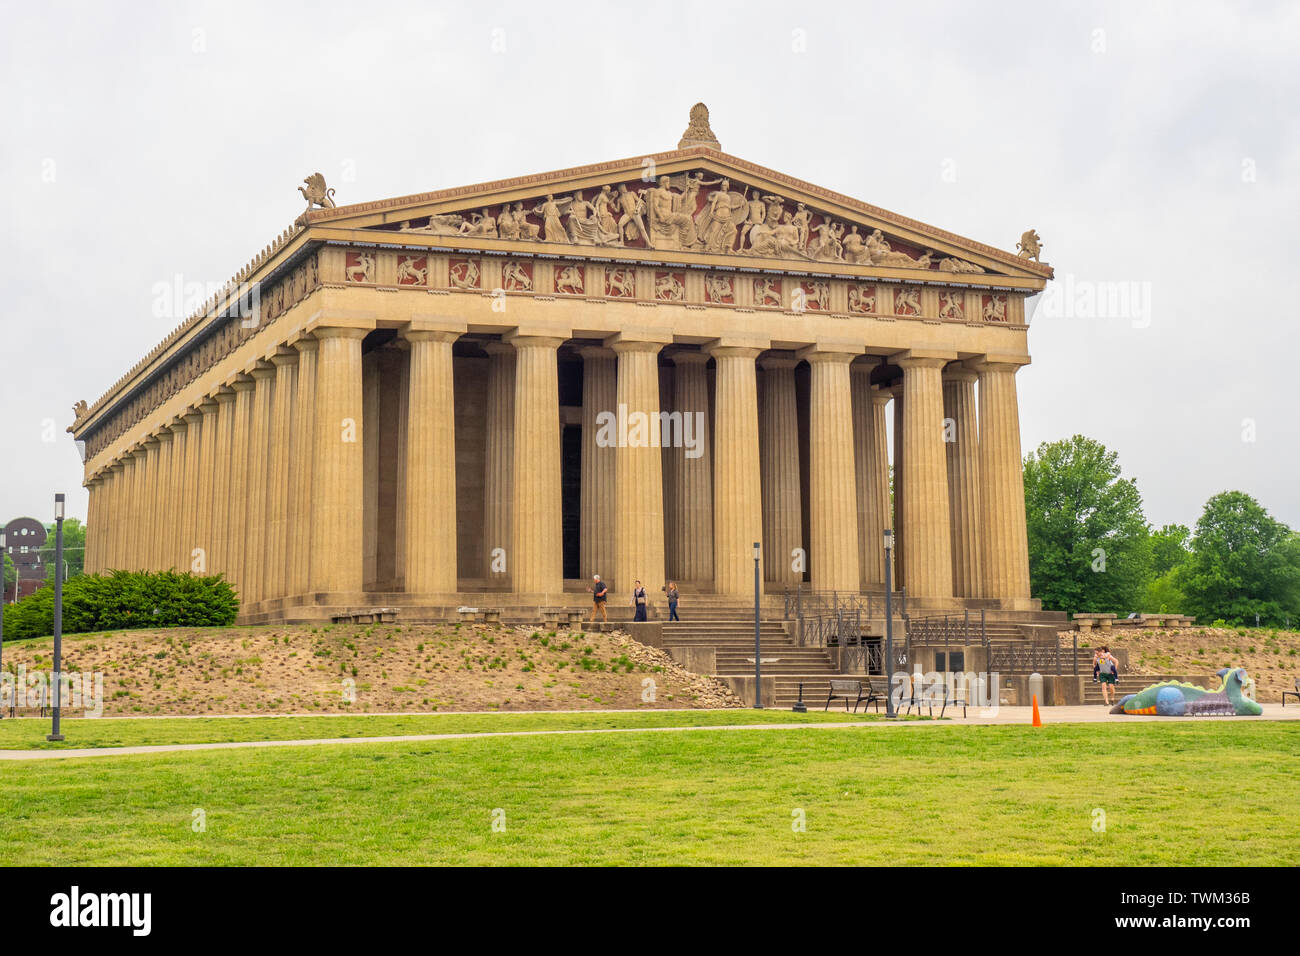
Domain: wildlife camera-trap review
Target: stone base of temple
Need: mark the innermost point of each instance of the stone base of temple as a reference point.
(518, 608)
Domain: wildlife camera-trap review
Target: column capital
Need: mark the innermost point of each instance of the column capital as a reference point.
(829, 354)
(998, 363)
(734, 351)
(624, 347)
(880, 395)
(177, 425)
(524, 341)
(306, 343)
(413, 334)
(224, 395)
(340, 332)
(261, 369)
(191, 415)
(641, 335)
(421, 324)
(498, 348)
(165, 434)
(959, 373)
(283, 355)
(777, 361)
(915, 358)
(207, 405)
(596, 352)
(866, 365)
(243, 382)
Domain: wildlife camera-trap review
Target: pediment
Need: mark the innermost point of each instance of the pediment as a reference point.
(694, 206)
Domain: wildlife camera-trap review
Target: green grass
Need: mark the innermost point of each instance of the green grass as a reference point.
(1216, 793)
(29, 733)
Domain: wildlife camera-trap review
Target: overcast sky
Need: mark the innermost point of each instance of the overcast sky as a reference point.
(1155, 148)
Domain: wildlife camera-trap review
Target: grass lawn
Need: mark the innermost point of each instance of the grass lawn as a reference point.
(29, 733)
(1215, 793)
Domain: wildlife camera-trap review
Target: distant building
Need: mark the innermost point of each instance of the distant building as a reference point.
(24, 538)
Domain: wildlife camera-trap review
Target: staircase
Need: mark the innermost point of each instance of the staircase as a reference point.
(732, 639)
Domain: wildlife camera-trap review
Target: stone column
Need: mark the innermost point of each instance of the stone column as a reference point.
(1005, 554)
(285, 361)
(149, 503)
(536, 554)
(193, 419)
(690, 536)
(173, 539)
(431, 464)
(871, 465)
(899, 564)
(240, 484)
(117, 532)
(338, 499)
(222, 505)
(301, 452)
(928, 555)
(167, 501)
(961, 443)
(205, 524)
(737, 488)
(499, 461)
(599, 394)
(94, 518)
(833, 492)
(638, 471)
(257, 532)
(778, 424)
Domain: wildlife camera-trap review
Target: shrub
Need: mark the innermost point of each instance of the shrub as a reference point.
(120, 600)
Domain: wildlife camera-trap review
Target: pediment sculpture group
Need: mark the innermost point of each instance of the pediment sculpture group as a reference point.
(669, 216)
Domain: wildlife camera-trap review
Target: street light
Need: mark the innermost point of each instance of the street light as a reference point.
(889, 624)
(758, 665)
(55, 736)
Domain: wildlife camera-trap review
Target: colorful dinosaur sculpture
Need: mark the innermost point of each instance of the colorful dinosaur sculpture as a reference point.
(1176, 699)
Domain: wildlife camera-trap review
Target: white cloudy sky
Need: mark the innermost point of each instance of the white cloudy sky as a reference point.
(1148, 143)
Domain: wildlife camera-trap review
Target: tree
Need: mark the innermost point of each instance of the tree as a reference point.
(74, 549)
(10, 572)
(1169, 548)
(1089, 543)
(1243, 563)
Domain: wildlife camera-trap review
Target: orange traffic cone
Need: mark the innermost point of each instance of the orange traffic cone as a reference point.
(1038, 721)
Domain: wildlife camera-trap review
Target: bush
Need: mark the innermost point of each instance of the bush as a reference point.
(120, 600)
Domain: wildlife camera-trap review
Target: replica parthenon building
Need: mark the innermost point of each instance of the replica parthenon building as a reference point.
(636, 368)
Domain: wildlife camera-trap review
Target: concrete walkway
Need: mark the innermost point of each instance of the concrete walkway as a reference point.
(1004, 715)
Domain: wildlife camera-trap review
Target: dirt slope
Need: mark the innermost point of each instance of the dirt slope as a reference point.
(389, 668)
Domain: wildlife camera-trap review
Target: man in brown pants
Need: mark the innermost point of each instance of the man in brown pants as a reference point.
(599, 594)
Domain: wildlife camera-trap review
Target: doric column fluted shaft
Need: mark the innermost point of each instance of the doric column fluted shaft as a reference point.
(778, 426)
(499, 464)
(871, 466)
(117, 539)
(189, 541)
(338, 499)
(961, 444)
(302, 449)
(259, 476)
(149, 517)
(928, 554)
(638, 470)
(691, 541)
(160, 553)
(285, 361)
(833, 505)
(737, 486)
(1005, 554)
(896, 393)
(241, 419)
(599, 400)
(173, 539)
(536, 556)
(205, 520)
(222, 544)
(430, 539)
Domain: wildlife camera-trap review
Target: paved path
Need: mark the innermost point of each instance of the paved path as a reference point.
(1004, 715)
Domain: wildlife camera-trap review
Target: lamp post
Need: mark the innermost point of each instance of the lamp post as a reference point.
(889, 623)
(58, 615)
(758, 661)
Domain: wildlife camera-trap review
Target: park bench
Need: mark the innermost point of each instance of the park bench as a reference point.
(1086, 622)
(861, 693)
(1292, 693)
(927, 698)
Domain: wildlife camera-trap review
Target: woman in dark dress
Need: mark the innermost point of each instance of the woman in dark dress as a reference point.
(639, 601)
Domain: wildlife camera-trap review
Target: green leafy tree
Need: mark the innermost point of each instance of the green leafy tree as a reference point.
(1243, 563)
(10, 572)
(1089, 543)
(74, 549)
(1169, 548)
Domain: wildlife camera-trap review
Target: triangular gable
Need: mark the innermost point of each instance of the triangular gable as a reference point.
(695, 205)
